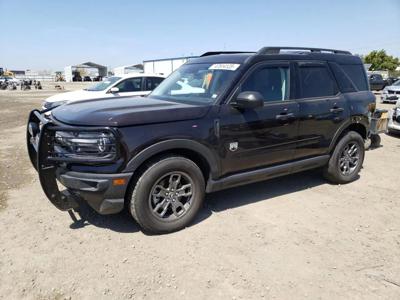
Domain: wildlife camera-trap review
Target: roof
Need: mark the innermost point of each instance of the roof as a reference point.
(241, 58)
(89, 64)
(137, 66)
(133, 75)
(172, 58)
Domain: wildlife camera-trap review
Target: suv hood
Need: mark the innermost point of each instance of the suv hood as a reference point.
(395, 88)
(126, 112)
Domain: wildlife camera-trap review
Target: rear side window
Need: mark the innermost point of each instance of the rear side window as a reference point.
(152, 83)
(316, 81)
(271, 82)
(357, 74)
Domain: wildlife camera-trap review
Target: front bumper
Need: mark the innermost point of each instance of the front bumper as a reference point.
(391, 98)
(100, 191)
(103, 192)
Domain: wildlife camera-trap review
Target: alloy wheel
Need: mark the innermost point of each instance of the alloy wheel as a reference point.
(171, 196)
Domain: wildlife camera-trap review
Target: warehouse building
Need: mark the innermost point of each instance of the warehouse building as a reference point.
(118, 71)
(165, 66)
(70, 71)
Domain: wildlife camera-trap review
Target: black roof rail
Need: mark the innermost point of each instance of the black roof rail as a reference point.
(277, 50)
(224, 52)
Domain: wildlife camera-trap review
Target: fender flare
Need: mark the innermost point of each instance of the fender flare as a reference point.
(174, 144)
(361, 120)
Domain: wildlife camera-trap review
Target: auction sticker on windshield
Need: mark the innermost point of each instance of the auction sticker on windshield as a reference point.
(227, 67)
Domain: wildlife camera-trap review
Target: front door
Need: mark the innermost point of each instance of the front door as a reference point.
(261, 137)
(130, 87)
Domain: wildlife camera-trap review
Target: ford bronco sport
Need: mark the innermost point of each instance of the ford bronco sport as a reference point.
(221, 120)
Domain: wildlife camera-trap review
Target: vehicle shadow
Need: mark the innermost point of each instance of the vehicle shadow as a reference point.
(86, 216)
(264, 190)
(215, 202)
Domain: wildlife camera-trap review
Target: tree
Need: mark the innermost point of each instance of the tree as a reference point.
(379, 60)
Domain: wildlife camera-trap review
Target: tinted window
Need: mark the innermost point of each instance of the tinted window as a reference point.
(271, 82)
(152, 83)
(130, 85)
(357, 74)
(316, 81)
(345, 83)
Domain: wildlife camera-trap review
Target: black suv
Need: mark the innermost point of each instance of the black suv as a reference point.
(221, 120)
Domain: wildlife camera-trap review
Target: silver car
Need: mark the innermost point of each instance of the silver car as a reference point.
(391, 93)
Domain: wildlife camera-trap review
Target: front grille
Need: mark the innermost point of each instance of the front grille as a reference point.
(394, 92)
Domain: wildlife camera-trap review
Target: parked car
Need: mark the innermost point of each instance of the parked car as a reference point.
(252, 116)
(87, 78)
(376, 82)
(391, 93)
(394, 119)
(9, 79)
(390, 80)
(138, 84)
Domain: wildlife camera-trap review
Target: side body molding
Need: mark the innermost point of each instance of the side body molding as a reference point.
(176, 144)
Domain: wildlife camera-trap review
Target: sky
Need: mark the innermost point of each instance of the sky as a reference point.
(51, 34)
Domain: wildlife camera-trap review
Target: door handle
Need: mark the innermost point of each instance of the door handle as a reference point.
(336, 110)
(284, 116)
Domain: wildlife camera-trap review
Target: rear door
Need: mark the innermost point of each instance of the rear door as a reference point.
(261, 137)
(322, 108)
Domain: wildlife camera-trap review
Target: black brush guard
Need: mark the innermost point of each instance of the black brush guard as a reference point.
(39, 139)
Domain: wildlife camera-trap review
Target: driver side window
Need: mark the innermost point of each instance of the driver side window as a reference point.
(271, 82)
(130, 85)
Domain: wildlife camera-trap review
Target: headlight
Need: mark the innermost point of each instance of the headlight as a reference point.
(85, 145)
(48, 105)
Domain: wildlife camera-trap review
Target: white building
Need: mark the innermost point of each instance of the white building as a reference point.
(164, 66)
(90, 66)
(128, 69)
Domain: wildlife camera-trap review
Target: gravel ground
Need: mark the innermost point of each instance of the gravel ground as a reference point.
(295, 237)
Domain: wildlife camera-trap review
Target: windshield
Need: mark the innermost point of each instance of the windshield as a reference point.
(200, 83)
(396, 83)
(101, 86)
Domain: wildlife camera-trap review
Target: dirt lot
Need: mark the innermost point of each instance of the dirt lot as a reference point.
(289, 238)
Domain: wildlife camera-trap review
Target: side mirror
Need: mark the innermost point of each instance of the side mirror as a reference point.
(249, 100)
(114, 90)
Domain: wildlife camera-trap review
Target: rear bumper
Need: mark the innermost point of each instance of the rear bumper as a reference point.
(100, 191)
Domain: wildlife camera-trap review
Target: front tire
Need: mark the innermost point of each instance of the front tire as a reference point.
(168, 195)
(346, 160)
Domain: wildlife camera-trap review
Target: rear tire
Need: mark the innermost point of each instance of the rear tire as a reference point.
(346, 160)
(168, 195)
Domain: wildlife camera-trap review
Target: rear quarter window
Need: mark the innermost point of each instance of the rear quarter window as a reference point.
(357, 75)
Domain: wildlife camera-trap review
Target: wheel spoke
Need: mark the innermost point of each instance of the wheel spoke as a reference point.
(347, 164)
(174, 181)
(353, 149)
(161, 205)
(185, 190)
(354, 160)
(161, 191)
(177, 208)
